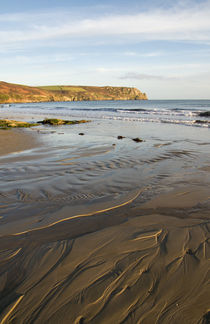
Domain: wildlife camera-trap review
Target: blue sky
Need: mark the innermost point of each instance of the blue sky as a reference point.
(161, 47)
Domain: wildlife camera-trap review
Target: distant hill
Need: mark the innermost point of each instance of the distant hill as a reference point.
(14, 93)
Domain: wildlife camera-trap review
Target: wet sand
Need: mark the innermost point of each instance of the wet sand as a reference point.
(132, 264)
(96, 233)
(16, 141)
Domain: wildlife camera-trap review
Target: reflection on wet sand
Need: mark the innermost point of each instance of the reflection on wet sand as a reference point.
(120, 236)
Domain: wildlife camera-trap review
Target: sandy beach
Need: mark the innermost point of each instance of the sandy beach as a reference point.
(12, 141)
(99, 230)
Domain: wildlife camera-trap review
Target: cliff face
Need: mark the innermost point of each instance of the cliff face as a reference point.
(80, 93)
(11, 93)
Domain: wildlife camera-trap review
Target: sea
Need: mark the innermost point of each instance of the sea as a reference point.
(180, 112)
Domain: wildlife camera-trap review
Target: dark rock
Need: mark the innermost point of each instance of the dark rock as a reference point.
(137, 140)
(120, 137)
(189, 251)
(206, 318)
(81, 134)
(205, 114)
(202, 121)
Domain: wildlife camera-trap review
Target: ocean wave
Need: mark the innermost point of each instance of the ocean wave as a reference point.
(136, 111)
(186, 113)
(132, 110)
(86, 109)
(194, 123)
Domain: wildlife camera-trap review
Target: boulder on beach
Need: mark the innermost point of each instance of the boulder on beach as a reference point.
(202, 121)
(204, 114)
(137, 140)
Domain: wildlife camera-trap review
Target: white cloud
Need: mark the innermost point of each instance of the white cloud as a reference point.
(142, 76)
(36, 59)
(107, 70)
(179, 23)
(149, 54)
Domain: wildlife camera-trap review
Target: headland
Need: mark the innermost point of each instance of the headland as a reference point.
(16, 93)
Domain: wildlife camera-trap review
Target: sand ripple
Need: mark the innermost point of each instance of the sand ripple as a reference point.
(151, 266)
(105, 233)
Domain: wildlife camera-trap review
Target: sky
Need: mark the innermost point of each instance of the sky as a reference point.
(162, 47)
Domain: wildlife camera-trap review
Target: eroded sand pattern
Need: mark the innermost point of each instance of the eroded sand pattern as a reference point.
(96, 233)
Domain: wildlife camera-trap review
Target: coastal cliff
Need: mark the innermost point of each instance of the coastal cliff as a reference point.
(14, 93)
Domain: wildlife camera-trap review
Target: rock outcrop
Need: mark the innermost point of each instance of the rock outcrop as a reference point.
(7, 123)
(14, 93)
(204, 114)
(56, 122)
